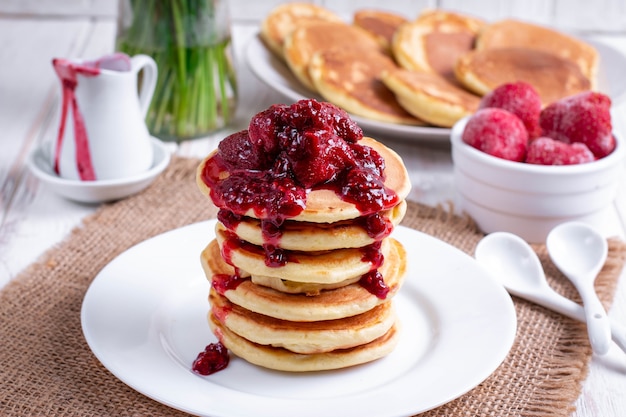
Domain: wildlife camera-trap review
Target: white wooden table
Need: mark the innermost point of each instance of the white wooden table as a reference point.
(32, 218)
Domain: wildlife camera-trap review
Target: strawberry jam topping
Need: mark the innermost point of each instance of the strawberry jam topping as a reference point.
(286, 152)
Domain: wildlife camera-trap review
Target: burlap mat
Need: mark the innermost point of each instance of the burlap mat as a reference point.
(47, 369)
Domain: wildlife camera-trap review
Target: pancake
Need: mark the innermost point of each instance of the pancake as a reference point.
(510, 33)
(434, 41)
(283, 19)
(333, 304)
(350, 78)
(304, 42)
(293, 287)
(303, 236)
(324, 206)
(554, 78)
(303, 337)
(325, 267)
(431, 97)
(380, 24)
(284, 360)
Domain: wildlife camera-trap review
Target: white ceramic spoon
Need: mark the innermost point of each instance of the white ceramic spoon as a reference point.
(579, 251)
(513, 263)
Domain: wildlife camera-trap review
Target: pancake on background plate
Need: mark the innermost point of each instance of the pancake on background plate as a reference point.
(434, 41)
(283, 19)
(553, 77)
(304, 42)
(431, 97)
(351, 79)
(381, 24)
(510, 33)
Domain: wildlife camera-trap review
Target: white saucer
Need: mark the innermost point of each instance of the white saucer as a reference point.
(96, 191)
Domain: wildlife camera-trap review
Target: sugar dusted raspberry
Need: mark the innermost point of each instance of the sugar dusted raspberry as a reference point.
(497, 132)
(585, 118)
(521, 99)
(548, 151)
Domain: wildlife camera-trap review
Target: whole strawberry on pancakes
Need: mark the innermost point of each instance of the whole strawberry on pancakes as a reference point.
(302, 267)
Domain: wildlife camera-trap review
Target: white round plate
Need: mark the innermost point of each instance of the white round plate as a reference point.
(275, 73)
(144, 318)
(40, 165)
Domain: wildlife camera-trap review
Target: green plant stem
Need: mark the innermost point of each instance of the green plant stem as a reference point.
(196, 87)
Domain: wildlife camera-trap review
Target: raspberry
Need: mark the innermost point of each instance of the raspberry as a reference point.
(497, 132)
(548, 151)
(320, 157)
(214, 358)
(584, 118)
(521, 99)
(239, 152)
(264, 127)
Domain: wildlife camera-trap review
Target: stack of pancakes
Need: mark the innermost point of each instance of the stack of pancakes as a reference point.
(322, 309)
(431, 70)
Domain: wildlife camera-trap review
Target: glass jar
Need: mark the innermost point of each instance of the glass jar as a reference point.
(196, 90)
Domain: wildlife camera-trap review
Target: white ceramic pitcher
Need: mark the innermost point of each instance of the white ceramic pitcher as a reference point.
(102, 132)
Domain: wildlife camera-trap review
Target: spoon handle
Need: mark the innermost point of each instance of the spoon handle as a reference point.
(598, 325)
(618, 333)
(556, 302)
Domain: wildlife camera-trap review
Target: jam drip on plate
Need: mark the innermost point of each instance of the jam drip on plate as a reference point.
(214, 358)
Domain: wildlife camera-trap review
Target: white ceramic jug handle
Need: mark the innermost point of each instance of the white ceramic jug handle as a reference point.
(148, 81)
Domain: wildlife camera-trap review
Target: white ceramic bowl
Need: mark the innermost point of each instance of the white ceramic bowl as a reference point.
(529, 200)
(96, 191)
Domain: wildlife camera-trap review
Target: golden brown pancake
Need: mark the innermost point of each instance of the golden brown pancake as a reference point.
(333, 304)
(304, 42)
(431, 97)
(554, 78)
(324, 267)
(510, 33)
(283, 19)
(303, 337)
(381, 24)
(350, 78)
(324, 206)
(434, 41)
(284, 360)
(305, 236)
